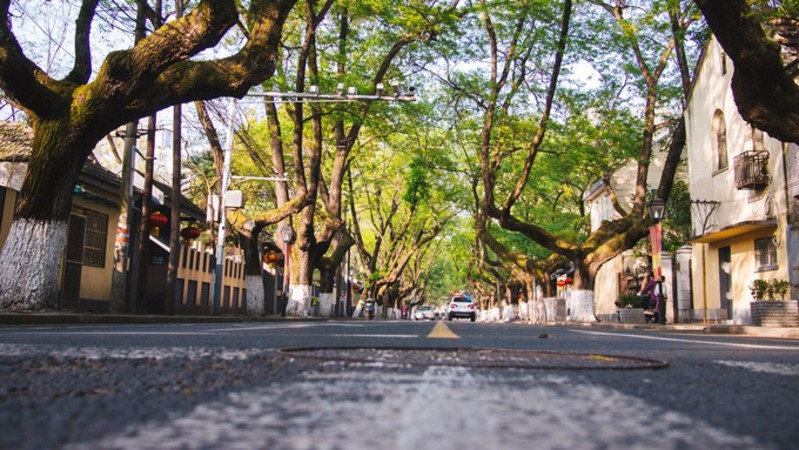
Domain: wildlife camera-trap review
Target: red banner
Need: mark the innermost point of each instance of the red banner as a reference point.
(655, 241)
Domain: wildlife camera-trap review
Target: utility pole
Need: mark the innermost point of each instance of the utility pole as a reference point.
(220, 244)
(170, 296)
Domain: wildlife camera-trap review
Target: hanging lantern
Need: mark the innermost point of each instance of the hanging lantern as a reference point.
(157, 220)
(190, 232)
(272, 257)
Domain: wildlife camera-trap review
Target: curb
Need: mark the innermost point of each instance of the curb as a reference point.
(117, 319)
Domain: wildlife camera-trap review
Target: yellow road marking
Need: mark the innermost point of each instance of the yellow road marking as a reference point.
(442, 331)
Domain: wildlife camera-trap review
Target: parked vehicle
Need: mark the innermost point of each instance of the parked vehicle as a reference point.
(462, 306)
(369, 308)
(424, 312)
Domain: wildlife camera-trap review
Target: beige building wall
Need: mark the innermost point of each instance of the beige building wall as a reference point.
(723, 215)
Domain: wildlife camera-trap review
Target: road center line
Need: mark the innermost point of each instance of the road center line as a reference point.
(442, 331)
(690, 341)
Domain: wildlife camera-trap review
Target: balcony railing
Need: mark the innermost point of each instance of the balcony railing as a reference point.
(751, 170)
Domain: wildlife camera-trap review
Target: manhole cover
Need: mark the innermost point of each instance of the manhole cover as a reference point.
(481, 358)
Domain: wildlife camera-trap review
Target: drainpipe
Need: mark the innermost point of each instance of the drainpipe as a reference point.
(704, 284)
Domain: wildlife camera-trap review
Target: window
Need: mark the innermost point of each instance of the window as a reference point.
(720, 140)
(95, 239)
(765, 254)
(723, 63)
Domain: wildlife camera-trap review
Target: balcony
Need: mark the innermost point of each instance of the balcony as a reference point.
(751, 170)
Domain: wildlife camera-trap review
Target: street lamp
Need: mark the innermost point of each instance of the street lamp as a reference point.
(287, 235)
(657, 209)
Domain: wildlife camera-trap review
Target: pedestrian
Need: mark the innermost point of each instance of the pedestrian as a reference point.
(653, 299)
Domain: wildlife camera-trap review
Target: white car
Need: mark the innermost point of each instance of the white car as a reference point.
(462, 306)
(424, 312)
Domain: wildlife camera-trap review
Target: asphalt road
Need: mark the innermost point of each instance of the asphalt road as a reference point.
(392, 385)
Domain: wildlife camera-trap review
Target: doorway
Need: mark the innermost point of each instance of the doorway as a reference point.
(725, 280)
(70, 290)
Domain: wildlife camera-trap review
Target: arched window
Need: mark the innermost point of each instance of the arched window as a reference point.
(720, 140)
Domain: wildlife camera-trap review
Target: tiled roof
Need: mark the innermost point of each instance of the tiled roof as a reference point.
(15, 141)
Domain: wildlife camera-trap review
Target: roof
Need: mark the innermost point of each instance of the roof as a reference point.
(734, 230)
(16, 140)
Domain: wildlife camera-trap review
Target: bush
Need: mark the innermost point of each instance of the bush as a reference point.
(770, 289)
(630, 301)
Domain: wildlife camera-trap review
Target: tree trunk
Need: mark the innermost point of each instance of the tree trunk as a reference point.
(581, 306)
(253, 273)
(29, 286)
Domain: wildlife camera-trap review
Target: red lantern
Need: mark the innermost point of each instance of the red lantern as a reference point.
(272, 257)
(190, 232)
(157, 220)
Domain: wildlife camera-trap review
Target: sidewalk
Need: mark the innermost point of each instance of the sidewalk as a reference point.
(61, 318)
(748, 330)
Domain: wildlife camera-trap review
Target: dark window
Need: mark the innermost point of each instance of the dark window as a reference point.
(235, 297)
(765, 254)
(226, 297)
(179, 290)
(95, 239)
(723, 63)
(185, 257)
(205, 294)
(2, 204)
(720, 140)
(191, 295)
(191, 258)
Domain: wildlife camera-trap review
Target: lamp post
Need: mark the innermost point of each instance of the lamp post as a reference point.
(287, 235)
(657, 208)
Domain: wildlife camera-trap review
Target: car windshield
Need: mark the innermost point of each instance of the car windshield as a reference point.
(462, 299)
(425, 308)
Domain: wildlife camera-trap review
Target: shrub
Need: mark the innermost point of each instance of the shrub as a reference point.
(770, 289)
(630, 301)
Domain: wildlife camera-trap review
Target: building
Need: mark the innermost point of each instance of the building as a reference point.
(744, 189)
(624, 273)
(87, 271)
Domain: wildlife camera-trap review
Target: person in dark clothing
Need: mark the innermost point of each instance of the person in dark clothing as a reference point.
(654, 299)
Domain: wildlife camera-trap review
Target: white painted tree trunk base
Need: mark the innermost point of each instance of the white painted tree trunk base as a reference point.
(581, 306)
(30, 264)
(507, 313)
(327, 301)
(299, 301)
(256, 304)
(551, 309)
(358, 310)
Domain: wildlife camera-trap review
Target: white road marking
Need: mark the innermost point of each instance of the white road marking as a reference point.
(446, 408)
(761, 367)
(690, 341)
(401, 336)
